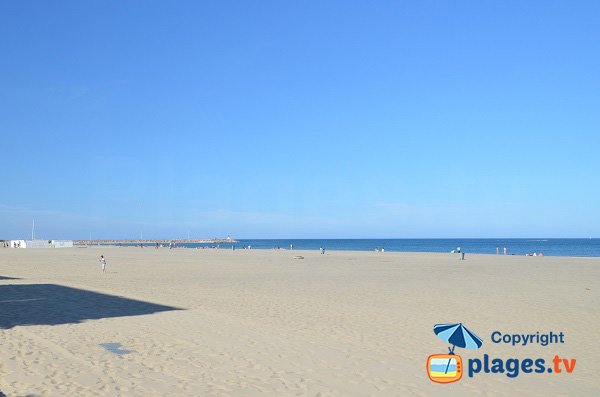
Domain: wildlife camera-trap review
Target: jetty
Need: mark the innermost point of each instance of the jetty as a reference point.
(155, 241)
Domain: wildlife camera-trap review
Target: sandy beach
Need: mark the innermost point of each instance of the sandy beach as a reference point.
(258, 322)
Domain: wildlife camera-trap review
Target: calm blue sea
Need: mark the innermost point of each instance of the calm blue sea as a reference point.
(553, 247)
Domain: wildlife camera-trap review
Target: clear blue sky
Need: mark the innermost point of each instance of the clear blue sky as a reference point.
(300, 119)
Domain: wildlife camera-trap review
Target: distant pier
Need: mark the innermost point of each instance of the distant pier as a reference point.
(154, 242)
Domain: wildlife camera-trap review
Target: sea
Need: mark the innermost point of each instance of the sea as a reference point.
(514, 246)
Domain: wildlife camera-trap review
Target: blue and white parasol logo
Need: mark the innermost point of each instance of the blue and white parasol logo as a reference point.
(457, 335)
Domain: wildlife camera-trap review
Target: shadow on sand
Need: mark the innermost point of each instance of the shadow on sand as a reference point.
(50, 304)
(8, 278)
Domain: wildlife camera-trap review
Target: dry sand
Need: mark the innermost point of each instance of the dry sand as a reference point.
(249, 323)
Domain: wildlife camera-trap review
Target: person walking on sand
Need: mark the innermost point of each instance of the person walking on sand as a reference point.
(103, 263)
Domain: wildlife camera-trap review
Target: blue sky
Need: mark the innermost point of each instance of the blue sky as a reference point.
(300, 119)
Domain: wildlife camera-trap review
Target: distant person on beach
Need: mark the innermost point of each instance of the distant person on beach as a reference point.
(103, 263)
(504, 250)
(322, 250)
(497, 250)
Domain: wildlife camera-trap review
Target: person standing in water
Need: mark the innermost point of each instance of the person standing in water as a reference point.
(103, 263)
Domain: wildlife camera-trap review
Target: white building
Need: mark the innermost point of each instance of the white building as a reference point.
(16, 243)
(38, 243)
(62, 243)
